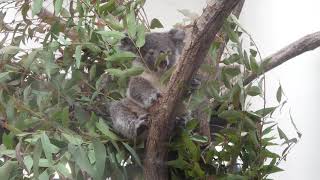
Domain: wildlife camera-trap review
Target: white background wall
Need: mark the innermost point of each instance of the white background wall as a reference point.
(274, 24)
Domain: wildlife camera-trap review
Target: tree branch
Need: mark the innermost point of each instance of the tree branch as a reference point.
(203, 33)
(307, 43)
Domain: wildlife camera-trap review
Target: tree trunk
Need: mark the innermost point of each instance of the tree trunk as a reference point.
(203, 33)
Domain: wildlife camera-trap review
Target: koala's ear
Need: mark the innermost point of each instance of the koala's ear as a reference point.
(177, 35)
(127, 44)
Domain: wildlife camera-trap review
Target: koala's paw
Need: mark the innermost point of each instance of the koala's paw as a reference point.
(152, 99)
(142, 124)
(181, 122)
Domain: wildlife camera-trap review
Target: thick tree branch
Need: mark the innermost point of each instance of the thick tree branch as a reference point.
(203, 33)
(307, 43)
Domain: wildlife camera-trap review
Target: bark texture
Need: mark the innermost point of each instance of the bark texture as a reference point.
(203, 33)
(306, 43)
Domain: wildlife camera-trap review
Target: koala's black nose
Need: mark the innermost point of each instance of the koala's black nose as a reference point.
(158, 95)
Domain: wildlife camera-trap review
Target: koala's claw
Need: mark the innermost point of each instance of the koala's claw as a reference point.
(142, 124)
(143, 117)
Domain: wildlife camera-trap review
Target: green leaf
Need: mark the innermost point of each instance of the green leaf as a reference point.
(231, 71)
(133, 71)
(254, 91)
(10, 50)
(44, 175)
(246, 60)
(7, 168)
(26, 63)
(92, 72)
(101, 156)
(131, 22)
(140, 36)
(191, 125)
(266, 111)
(37, 151)
(36, 6)
(28, 162)
(122, 56)
(254, 65)
(200, 139)
(133, 153)
(3, 76)
(46, 146)
(73, 139)
(155, 23)
(78, 56)
(282, 135)
(81, 158)
(112, 34)
(231, 115)
(232, 59)
(253, 52)
(115, 72)
(8, 140)
(105, 129)
(62, 169)
(230, 32)
(178, 163)
(279, 94)
(58, 7)
(269, 169)
(65, 117)
(268, 130)
(295, 126)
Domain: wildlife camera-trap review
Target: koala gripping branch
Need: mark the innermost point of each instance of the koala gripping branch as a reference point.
(203, 33)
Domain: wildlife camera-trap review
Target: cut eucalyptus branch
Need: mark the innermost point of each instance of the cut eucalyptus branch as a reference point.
(197, 46)
(306, 43)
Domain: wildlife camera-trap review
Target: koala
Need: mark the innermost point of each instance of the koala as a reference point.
(159, 53)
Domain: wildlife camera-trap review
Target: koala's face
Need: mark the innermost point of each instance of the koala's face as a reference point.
(161, 50)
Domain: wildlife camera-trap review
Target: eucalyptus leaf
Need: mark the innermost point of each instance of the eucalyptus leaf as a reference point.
(36, 7)
(121, 57)
(58, 7)
(155, 23)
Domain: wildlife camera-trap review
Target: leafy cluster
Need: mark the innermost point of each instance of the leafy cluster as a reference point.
(54, 97)
(241, 137)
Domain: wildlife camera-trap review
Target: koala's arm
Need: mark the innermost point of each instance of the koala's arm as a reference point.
(142, 92)
(128, 119)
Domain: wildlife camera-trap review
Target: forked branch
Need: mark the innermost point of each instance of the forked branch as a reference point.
(203, 33)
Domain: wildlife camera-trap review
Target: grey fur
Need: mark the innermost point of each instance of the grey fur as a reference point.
(130, 115)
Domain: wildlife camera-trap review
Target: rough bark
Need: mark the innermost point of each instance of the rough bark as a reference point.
(306, 43)
(203, 33)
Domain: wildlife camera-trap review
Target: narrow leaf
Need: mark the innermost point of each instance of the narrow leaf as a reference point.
(155, 23)
(133, 153)
(58, 7)
(78, 56)
(36, 6)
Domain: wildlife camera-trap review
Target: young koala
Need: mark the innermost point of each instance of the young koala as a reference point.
(130, 115)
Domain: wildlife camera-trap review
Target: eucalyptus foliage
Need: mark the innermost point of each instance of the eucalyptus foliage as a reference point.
(60, 66)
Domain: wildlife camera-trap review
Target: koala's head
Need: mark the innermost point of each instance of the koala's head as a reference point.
(160, 51)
